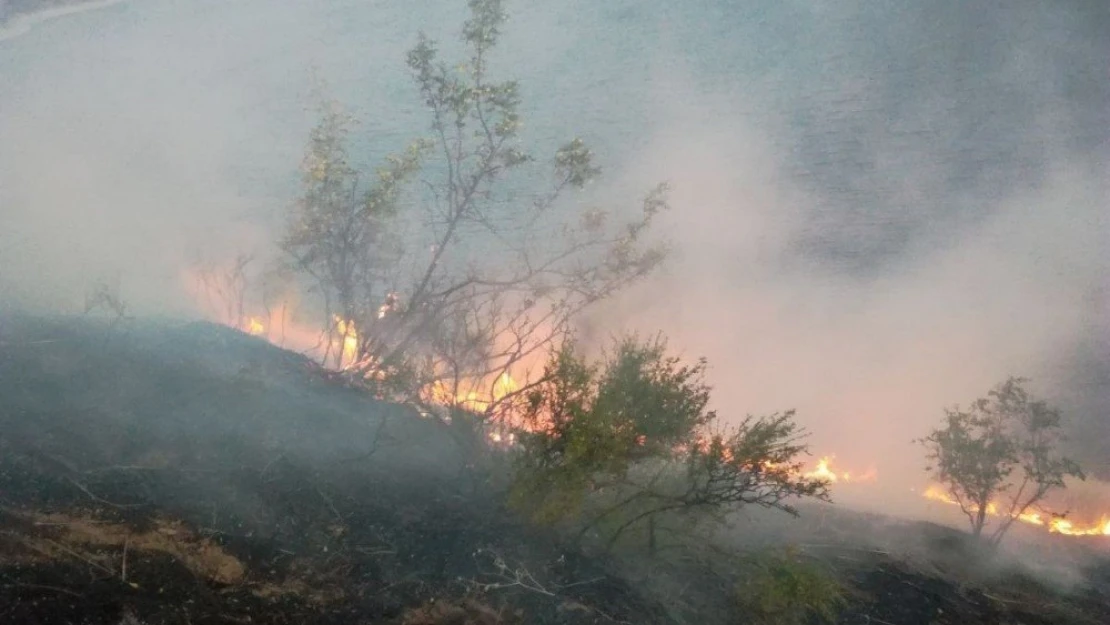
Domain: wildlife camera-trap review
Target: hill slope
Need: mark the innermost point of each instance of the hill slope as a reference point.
(164, 472)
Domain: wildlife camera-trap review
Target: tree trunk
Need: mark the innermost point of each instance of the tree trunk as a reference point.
(980, 521)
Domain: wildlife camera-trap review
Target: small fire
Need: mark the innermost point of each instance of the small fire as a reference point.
(255, 327)
(389, 306)
(482, 395)
(1056, 524)
(823, 471)
(349, 335)
(1032, 518)
(1067, 528)
(473, 395)
(505, 440)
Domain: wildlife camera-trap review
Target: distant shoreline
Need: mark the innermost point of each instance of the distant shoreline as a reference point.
(20, 23)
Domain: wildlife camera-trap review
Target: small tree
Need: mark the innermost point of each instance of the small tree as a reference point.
(338, 234)
(1000, 456)
(491, 273)
(105, 295)
(618, 445)
(224, 289)
(784, 589)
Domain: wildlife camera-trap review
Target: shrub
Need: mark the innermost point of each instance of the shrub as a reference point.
(783, 589)
(619, 446)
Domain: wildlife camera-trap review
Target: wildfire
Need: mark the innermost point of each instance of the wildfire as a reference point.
(389, 306)
(480, 395)
(1056, 524)
(823, 472)
(349, 337)
(255, 327)
(473, 395)
(1063, 526)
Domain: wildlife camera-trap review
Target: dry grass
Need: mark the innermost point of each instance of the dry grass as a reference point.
(465, 612)
(69, 536)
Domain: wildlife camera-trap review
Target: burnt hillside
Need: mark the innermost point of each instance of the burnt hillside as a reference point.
(184, 473)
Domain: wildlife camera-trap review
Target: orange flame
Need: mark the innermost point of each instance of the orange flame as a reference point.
(389, 306)
(823, 471)
(255, 327)
(1056, 525)
(480, 395)
(349, 337)
(1067, 528)
(472, 395)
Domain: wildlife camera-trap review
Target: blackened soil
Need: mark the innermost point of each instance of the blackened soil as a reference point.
(186, 474)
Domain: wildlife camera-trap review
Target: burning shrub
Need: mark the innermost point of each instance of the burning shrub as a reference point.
(628, 443)
(999, 457)
(507, 271)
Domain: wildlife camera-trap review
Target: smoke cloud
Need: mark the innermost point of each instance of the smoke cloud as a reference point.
(879, 210)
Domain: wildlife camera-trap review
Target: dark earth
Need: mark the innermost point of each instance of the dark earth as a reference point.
(160, 472)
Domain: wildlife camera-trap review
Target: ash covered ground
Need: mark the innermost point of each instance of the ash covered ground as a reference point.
(157, 471)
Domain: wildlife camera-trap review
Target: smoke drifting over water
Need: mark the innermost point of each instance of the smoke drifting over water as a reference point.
(879, 210)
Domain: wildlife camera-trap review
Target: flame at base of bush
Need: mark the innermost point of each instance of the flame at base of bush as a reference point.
(479, 396)
(1053, 522)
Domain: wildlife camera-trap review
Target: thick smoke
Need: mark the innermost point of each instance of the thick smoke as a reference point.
(907, 209)
(879, 210)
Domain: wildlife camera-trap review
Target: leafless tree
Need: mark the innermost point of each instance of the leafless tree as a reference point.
(225, 288)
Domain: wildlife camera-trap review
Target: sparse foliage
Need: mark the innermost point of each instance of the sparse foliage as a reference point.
(999, 456)
(619, 445)
(224, 288)
(338, 232)
(783, 589)
(106, 296)
(485, 277)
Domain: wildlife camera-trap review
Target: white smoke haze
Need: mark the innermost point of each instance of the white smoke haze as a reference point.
(868, 361)
(868, 286)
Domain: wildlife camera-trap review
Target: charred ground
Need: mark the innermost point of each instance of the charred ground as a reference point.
(164, 472)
